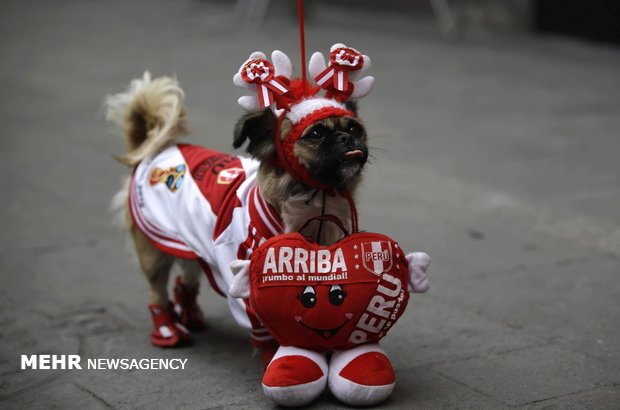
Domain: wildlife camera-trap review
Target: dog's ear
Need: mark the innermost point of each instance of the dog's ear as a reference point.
(351, 106)
(259, 128)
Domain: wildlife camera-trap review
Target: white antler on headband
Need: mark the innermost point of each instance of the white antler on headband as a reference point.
(264, 79)
(346, 66)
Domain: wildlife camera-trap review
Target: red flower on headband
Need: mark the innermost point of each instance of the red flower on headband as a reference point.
(347, 58)
(335, 78)
(257, 71)
(270, 88)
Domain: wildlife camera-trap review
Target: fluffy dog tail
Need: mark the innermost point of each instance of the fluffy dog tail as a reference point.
(151, 115)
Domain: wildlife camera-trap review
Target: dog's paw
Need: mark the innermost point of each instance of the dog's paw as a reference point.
(167, 331)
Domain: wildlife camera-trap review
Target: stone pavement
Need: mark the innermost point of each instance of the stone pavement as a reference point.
(497, 154)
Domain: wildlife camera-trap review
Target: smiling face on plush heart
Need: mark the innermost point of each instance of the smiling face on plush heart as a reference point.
(324, 298)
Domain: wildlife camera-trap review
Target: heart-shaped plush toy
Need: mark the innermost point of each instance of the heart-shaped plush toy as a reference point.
(325, 298)
(342, 298)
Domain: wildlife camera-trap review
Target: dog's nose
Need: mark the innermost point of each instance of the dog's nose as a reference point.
(343, 138)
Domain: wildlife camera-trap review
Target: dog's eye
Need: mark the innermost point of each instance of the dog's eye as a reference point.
(316, 133)
(308, 297)
(354, 129)
(336, 295)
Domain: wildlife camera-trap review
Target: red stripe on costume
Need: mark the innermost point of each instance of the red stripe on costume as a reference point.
(256, 323)
(155, 238)
(205, 267)
(263, 217)
(271, 215)
(259, 229)
(178, 253)
(259, 339)
(242, 252)
(145, 225)
(218, 176)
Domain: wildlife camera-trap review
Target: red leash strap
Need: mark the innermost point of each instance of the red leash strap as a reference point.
(302, 41)
(282, 159)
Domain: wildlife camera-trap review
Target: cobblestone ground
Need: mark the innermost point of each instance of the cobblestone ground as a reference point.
(497, 154)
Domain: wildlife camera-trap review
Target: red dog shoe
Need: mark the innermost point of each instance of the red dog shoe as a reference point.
(186, 306)
(361, 376)
(168, 332)
(295, 376)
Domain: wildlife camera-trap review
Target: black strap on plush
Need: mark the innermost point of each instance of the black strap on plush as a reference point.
(326, 218)
(334, 219)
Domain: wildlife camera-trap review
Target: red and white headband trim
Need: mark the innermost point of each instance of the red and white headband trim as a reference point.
(309, 105)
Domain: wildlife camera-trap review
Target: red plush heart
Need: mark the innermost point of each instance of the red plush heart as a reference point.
(324, 298)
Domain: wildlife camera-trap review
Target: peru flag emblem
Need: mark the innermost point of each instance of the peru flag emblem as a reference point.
(377, 256)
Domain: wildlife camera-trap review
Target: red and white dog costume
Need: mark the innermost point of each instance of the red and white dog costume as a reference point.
(196, 203)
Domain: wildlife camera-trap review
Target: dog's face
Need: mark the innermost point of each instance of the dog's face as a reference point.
(334, 150)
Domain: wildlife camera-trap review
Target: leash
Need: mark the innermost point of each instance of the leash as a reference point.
(302, 41)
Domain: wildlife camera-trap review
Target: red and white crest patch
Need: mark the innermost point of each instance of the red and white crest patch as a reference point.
(377, 256)
(228, 175)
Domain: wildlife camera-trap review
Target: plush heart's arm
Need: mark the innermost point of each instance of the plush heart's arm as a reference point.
(240, 286)
(418, 263)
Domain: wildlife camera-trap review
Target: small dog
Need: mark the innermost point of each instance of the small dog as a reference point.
(203, 209)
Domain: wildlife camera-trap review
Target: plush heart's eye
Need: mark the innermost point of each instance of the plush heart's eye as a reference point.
(308, 297)
(336, 295)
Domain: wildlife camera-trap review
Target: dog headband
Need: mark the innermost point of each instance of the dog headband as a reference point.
(271, 85)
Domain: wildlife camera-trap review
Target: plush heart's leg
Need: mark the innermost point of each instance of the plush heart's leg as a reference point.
(295, 376)
(361, 376)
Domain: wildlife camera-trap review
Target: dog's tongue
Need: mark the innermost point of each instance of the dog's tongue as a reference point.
(356, 153)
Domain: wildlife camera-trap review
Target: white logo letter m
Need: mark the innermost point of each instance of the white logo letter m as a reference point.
(29, 361)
